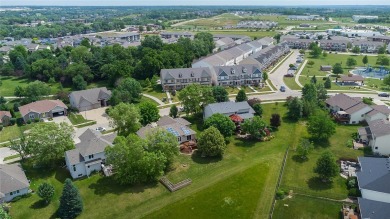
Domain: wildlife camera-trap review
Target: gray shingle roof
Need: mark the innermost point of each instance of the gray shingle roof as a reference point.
(343, 101)
(168, 74)
(91, 142)
(379, 127)
(373, 209)
(167, 122)
(374, 174)
(12, 178)
(91, 95)
(241, 108)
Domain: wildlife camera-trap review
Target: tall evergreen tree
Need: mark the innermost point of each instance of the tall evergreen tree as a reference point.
(71, 204)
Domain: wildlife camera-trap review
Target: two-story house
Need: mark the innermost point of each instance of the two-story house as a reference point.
(377, 136)
(89, 155)
(179, 78)
(239, 75)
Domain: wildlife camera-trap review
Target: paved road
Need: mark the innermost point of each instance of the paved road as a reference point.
(277, 76)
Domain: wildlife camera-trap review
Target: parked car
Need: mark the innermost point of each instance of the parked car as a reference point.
(383, 95)
(282, 88)
(100, 129)
(289, 75)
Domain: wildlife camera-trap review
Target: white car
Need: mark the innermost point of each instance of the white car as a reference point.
(100, 129)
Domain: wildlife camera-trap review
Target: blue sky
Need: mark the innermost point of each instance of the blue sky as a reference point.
(192, 2)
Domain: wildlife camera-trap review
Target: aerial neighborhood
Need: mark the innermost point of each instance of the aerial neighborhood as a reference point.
(199, 112)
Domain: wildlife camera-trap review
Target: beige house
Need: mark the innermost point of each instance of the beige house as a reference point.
(43, 109)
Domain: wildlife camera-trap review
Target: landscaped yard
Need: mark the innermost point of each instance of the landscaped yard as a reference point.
(76, 119)
(155, 91)
(306, 208)
(243, 181)
(290, 83)
(12, 132)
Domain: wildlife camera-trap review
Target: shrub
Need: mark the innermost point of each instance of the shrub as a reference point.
(1, 127)
(29, 121)
(12, 121)
(16, 107)
(352, 183)
(173, 93)
(280, 194)
(355, 192)
(19, 121)
(253, 101)
(36, 120)
(350, 143)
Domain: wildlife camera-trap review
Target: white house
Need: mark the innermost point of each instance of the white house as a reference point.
(89, 155)
(377, 136)
(373, 180)
(352, 110)
(13, 182)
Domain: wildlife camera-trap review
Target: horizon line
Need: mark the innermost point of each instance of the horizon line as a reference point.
(285, 5)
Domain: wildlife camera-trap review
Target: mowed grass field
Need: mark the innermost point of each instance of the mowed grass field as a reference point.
(245, 179)
(303, 207)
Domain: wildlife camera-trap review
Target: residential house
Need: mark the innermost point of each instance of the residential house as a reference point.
(368, 46)
(268, 57)
(356, 18)
(13, 182)
(5, 118)
(223, 44)
(373, 180)
(94, 98)
(168, 35)
(179, 78)
(243, 109)
(177, 126)
(351, 79)
(43, 109)
(347, 109)
(334, 45)
(88, 155)
(239, 75)
(297, 43)
(377, 136)
(378, 112)
(242, 38)
(384, 39)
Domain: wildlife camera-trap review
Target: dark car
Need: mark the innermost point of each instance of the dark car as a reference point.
(383, 95)
(282, 88)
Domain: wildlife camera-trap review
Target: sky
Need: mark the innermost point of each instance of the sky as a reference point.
(189, 2)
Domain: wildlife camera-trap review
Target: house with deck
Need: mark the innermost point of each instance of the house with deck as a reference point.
(377, 136)
(177, 126)
(43, 109)
(88, 155)
(94, 98)
(13, 182)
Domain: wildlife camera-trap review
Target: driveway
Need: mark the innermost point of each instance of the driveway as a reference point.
(6, 152)
(60, 119)
(99, 115)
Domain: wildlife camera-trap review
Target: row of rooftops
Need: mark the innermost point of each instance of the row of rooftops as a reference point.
(338, 40)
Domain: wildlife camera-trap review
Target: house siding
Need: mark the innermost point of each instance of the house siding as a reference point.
(359, 116)
(382, 145)
(375, 196)
(5, 120)
(8, 197)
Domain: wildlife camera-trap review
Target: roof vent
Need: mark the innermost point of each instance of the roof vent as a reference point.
(233, 71)
(180, 75)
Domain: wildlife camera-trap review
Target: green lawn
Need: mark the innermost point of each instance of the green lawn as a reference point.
(155, 91)
(253, 164)
(299, 175)
(290, 83)
(76, 119)
(12, 132)
(303, 207)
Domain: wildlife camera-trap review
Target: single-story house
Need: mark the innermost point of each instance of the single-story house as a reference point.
(352, 110)
(326, 68)
(177, 126)
(373, 180)
(43, 109)
(13, 182)
(377, 136)
(94, 98)
(88, 155)
(243, 109)
(5, 118)
(358, 79)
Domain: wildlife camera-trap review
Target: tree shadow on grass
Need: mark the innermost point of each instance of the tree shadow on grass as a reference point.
(107, 185)
(317, 184)
(320, 143)
(197, 158)
(286, 119)
(247, 143)
(39, 204)
(299, 159)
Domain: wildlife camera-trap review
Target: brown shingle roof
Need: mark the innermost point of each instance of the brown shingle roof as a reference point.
(343, 101)
(41, 106)
(4, 113)
(351, 78)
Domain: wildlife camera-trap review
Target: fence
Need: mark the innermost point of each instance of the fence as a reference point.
(174, 187)
(278, 184)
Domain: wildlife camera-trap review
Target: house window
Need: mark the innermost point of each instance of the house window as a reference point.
(17, 191)
(31, 116)
(192, 74)
(88, 166)
(11, 193)
(188, 137)
(376, 148)
(74, 168)
(362, 115)
(90, 156)
(178, 138)
(180, 75)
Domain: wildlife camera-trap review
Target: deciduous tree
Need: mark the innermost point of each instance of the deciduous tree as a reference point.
(326, 166)
(173, 111)
(149, 112)
(320, 126)
(46, 192)
(241, 96)
(194, 97)
(295, 108)
(220, 94)
(351, 62)
(304, 148)
(125, 117)
(128, 91)
(275, 120)
(337, 68)
(211, 143)
(223, 123)
(255, 127)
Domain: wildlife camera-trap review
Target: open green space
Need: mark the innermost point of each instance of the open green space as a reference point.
(259, 34)
(306, 208)
(76, 119)
(216, 21)
(299, 175)
(290, 83)
(242, 161)
(155, 91)
(13, 132)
